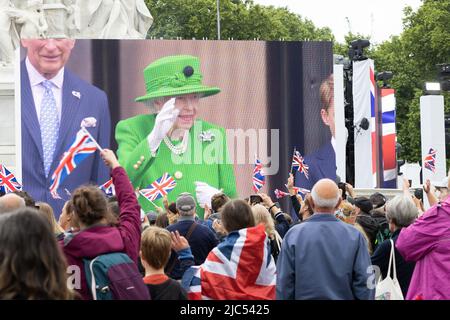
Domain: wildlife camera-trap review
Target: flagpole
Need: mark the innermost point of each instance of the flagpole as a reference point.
(292, 160)
(93, 140)
(148, 199)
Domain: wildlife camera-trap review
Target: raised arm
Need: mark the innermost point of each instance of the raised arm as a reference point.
(129, 218)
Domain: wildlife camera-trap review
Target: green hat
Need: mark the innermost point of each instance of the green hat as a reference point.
(173, 76)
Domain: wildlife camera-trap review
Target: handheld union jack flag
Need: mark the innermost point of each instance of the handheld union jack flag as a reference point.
(300, 190)
(280, 194)
(108, 188)
(80, 149)
(299, 163)
(259, 179)
(160, 188)
(239, 268)
(8, 182)
(430, 160)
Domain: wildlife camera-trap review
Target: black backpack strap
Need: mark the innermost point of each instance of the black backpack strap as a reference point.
(187, 236)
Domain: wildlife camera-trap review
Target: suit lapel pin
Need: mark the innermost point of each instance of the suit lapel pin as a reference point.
(206, 136)
(76, 94)
(88, 122)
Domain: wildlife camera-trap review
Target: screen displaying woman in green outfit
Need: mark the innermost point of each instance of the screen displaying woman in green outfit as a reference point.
(171, 139)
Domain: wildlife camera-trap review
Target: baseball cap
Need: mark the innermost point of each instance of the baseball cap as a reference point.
(364, 204)
(185, 202)
(151, 216)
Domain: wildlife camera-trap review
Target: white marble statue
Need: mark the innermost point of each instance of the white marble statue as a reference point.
(30, 20)
(94, 19)
(9, 37)
(114, 19)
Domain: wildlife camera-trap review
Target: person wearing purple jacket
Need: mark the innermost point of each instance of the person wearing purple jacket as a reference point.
(96, 237)
(427, 242)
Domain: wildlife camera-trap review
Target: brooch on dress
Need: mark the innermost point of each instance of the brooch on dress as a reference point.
(206, 136)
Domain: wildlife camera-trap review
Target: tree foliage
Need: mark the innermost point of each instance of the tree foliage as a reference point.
(239, 20)
(412, 57)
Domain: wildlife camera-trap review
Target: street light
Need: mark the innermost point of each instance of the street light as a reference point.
(432, 88)
(218, 19)
(356, 51)
(385, 76)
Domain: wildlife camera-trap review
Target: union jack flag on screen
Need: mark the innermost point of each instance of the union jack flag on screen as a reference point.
(239, 268)
(108, 188)
(81, 148)
(159, 188)
(430, 160)
(259, 179)
(8, 182)
(299, 163)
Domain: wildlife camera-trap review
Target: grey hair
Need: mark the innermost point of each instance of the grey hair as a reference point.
(7, 204)
(323, 202)
(186, 213)
(151, 106)
(402, 210)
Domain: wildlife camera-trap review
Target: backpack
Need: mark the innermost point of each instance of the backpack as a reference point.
(382, 235)
(114, 276)
(383, 232)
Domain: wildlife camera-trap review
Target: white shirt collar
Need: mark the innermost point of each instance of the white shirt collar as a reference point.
(37, 78)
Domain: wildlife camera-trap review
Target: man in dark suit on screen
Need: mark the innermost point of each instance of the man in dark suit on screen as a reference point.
(322, 163)
(54, 103)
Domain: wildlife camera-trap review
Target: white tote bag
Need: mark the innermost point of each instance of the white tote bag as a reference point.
(389, 288)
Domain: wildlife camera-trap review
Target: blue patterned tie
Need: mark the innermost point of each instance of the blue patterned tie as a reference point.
(49, 122)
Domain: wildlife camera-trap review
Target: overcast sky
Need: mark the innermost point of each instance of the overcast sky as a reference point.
(378, 18)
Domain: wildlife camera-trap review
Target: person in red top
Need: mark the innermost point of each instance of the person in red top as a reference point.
(96, 236)
(155, 252)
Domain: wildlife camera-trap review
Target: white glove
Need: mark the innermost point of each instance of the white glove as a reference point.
(163, 123)
(204, 193)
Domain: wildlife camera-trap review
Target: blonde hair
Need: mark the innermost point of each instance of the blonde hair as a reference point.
(368, 243)
(46, 210)
(262, 215)
(327, 92)
(156, 245)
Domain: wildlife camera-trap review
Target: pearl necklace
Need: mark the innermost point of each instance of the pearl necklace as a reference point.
(179, 149)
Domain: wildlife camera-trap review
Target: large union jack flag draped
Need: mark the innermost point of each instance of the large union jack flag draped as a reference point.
(299, 164)
(8, 182)
(239, 268)
(259, 179)
(108, 188)
(80, 149)
(160, 188)
(430, 160)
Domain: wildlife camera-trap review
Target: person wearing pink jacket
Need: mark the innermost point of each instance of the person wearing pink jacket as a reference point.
(427, 242)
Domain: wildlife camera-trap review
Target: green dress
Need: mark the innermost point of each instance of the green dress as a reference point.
(206, 159)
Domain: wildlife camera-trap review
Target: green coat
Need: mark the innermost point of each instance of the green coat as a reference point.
(203, 161)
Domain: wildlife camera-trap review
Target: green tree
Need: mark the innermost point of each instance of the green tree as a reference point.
(240, 20)
(412, 57)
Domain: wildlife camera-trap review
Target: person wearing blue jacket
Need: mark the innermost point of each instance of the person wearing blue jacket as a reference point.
(323, 257)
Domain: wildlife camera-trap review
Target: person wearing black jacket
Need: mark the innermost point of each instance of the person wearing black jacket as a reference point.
(281, 225)
(400, 212)
(302, 210)
(363, 207)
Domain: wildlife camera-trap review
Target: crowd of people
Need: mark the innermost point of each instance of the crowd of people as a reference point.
(240, 249)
